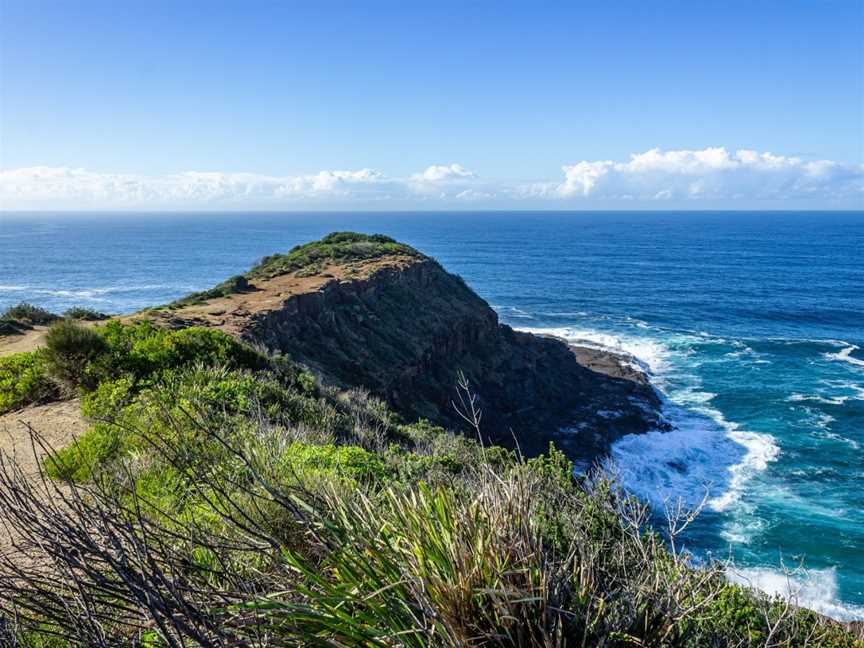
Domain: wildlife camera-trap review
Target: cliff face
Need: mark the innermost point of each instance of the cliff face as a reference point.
(404, 328)
(405, 332)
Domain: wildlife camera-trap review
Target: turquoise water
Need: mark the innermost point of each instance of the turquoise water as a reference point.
(752, 325)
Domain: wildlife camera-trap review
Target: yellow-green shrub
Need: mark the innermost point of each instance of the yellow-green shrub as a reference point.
(23, 381)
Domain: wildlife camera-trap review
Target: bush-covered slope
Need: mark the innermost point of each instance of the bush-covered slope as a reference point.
(224, 498)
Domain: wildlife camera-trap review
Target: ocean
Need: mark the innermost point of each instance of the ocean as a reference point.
(750, 323)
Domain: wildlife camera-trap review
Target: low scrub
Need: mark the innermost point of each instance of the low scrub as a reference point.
(225, 498)
(30, 315)
(80, 358)
(226, 556)
(307, 260)
(230, 286)
(338, 247)
(71, 353)
(84, 314)
(24, 381)
(23, 317)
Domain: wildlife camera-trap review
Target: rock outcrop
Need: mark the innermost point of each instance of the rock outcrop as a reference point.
(402, 327)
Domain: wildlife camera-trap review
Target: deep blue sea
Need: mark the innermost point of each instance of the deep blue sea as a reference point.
(752, 325)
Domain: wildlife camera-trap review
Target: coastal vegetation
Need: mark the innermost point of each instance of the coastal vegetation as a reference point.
(224, 495)
(84, 314)
(307, 259)
(24, 316)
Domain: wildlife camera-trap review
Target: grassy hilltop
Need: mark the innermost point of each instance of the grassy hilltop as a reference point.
(225, 496)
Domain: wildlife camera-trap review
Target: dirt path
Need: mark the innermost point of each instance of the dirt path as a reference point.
(57, 423)
(28, 341)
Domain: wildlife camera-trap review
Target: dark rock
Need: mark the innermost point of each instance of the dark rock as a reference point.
(405, 333)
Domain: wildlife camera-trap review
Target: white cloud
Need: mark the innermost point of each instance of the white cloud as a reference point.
(473, 195)
(79, 188)
(444, 173)
(444, 182)
(707, 174)
(711, 176)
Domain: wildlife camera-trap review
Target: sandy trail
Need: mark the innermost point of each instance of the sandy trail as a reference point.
(57, 423)
(27, 341)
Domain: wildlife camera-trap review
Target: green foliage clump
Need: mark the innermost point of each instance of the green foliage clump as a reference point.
(125, 415)
(338, 247)
(78, 357)
(22, 317)
(310, 463)
(84, 314)
(78, 461)
(143, 350)
(70, 351)
(30, 315)
(23, 380)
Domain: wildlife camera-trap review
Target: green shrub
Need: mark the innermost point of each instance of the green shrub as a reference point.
(70, 350)
(144, 350)
(338, 247)
(23, 380)
(84, 314)
(172, 407)
(29, 315)
(78, 461)
(309, 463)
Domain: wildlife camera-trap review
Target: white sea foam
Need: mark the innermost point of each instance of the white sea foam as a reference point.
(823, 420)
(845, 355)
(815, 589)
(518, 312)
(703, 453)
(645, 354)
(96, 295)
(852, 443)
(826, 400)
(564, 313)
(84, 292)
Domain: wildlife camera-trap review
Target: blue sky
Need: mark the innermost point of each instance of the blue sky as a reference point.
(115, 102)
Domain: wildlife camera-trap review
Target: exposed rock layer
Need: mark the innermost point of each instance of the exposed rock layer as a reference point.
(405, 330)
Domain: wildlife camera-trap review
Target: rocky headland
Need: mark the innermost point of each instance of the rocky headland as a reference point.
(392, 320)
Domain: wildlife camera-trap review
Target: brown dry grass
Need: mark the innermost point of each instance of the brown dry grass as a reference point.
(231, 313)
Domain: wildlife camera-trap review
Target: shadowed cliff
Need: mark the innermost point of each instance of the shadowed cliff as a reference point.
(369, 312)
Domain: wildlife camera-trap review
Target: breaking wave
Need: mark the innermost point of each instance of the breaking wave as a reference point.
(703, 456)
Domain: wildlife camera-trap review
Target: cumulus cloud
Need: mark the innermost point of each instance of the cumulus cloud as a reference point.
(710, 176)
(707, 174)
(447, 182)
(438, 173)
